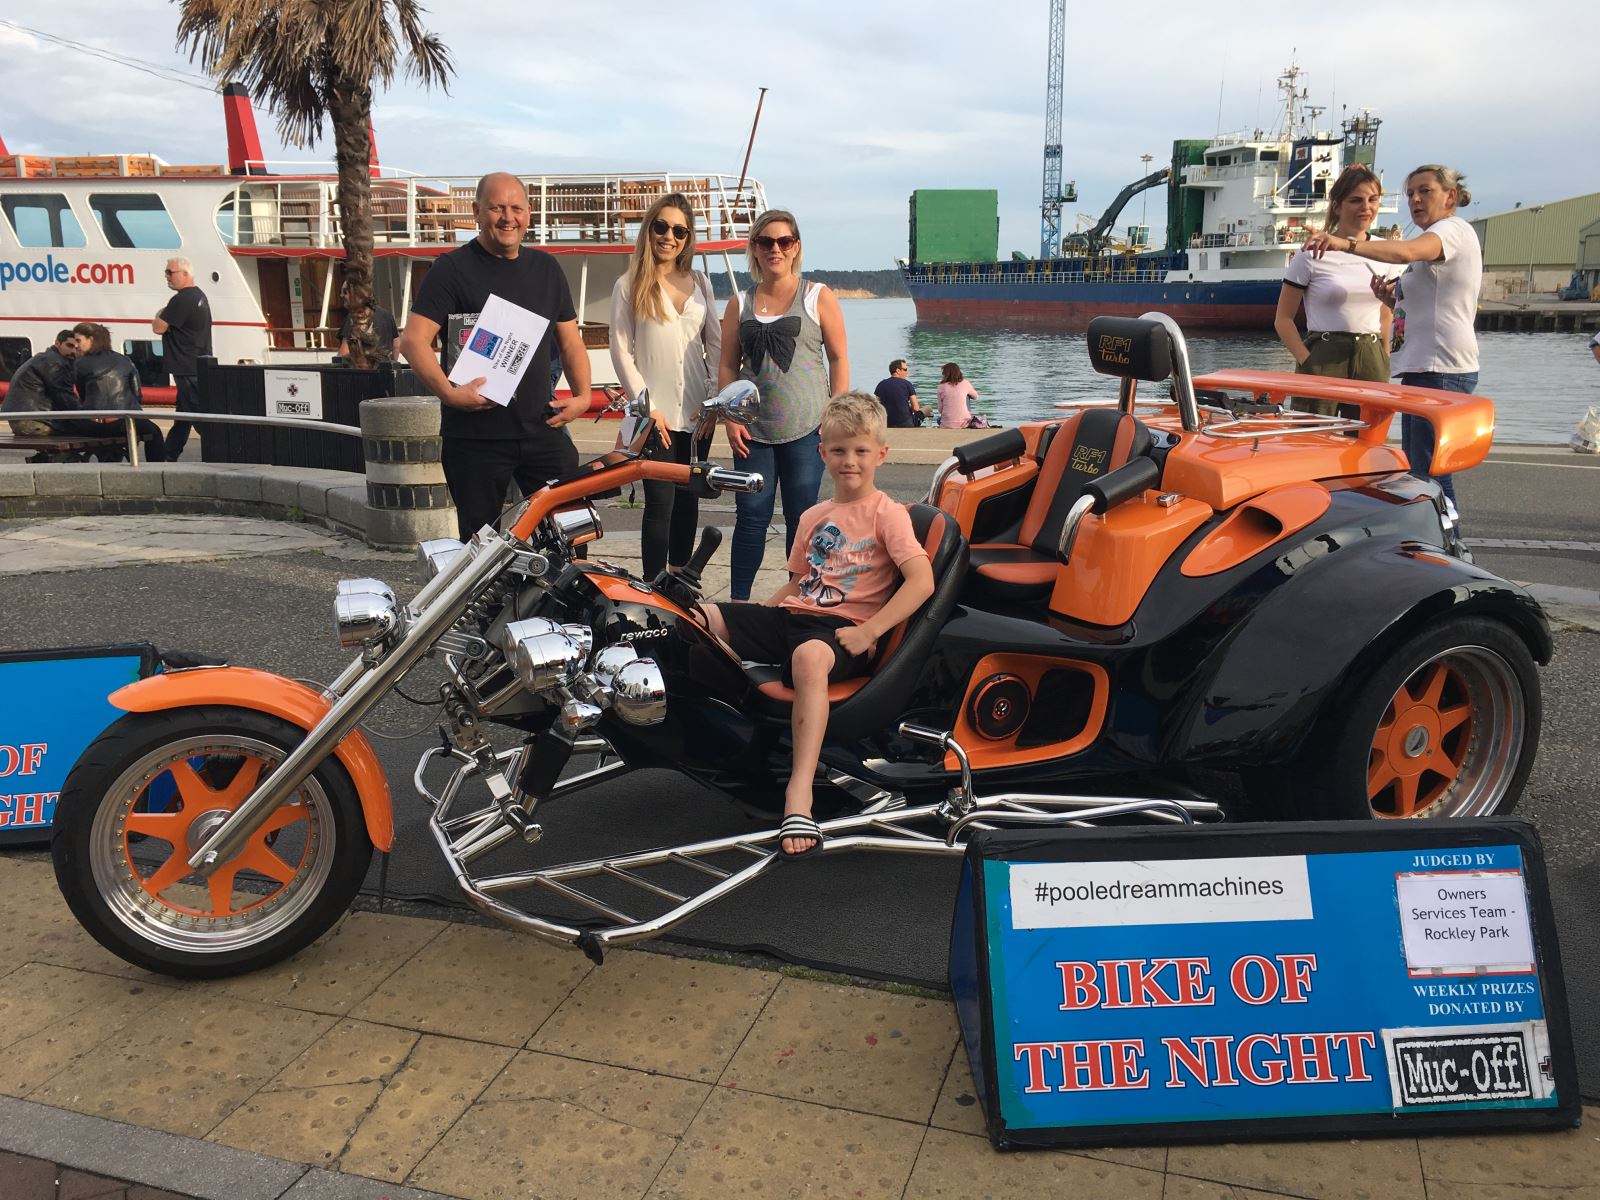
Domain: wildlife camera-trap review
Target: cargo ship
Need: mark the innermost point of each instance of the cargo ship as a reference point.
(1238, 206)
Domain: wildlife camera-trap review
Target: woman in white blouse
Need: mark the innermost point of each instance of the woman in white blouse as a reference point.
(665, 337)
(1347, 327)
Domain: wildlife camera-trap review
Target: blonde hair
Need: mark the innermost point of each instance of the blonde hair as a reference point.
(1448, 178)
(644, 297)
(771, 217)
(854, 414)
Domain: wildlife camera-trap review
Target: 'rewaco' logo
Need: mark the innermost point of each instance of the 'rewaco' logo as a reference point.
(1113, 349)
(639, 635)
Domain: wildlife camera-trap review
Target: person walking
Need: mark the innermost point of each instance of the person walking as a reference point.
(1347, 325)
(486, 445)
(185, 329)
(1435, 301)
(786, 336)
(953, 393)
(665, 337)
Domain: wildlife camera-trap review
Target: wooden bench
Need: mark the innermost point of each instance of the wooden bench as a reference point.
(62, 443)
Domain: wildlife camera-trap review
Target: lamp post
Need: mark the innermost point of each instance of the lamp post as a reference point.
(1533, 239)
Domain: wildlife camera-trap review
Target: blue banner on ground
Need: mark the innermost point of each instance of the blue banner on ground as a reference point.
(1153, 985)
(52, 705)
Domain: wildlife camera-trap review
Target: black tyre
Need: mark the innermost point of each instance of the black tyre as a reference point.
(1447, 726)
(149, 790)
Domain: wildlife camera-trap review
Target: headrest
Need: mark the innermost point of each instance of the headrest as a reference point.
(1130, 347)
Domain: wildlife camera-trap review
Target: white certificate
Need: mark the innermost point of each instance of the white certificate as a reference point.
(499, 348)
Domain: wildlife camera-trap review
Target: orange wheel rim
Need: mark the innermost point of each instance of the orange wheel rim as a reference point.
(1420, 746)
(196, 808)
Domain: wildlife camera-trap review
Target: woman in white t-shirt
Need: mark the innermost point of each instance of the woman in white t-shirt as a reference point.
(1347, 327)
(665, 336)
(1435, 300)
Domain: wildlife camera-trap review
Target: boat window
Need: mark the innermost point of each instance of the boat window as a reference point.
(1269, 156)
(134, 221)
(14, 351)
(42, 219)
(145, 354)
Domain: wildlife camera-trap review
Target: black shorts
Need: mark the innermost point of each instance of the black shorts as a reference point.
(766, 634)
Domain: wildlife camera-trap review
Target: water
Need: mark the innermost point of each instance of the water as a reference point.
(1541, 382)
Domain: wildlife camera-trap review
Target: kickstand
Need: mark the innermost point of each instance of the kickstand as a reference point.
(383, 880)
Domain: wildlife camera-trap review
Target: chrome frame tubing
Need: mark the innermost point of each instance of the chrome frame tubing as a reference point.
(440, 609)
(1188, 409)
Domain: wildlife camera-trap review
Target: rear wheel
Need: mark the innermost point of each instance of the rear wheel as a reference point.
(1446, 727)
(150, 790)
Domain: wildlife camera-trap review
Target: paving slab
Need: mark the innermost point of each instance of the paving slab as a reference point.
(828, 1044)
(954, 1166)
(486, 985)
(1368, 1169)
(653, 1012)
(581, 1129)
(744, 1144)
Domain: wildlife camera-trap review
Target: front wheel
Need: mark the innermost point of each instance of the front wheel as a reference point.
(1447, 726)
(150, 790)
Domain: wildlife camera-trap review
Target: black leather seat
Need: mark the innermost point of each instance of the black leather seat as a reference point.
(1084, 447)
(873, 701)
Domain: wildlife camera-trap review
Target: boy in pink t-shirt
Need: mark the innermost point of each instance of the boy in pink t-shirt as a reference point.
(856, 571)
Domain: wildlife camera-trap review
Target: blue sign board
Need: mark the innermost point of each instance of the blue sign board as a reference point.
(52, 705)
(1127, 985)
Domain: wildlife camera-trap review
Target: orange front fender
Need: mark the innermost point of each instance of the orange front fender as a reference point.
(243, 687)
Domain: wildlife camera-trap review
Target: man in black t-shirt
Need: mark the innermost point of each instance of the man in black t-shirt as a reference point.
(487, 444)
(898, 397)
(185, 329)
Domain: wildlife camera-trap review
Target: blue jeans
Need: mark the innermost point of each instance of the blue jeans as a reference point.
(1416, 434)
(795, 468)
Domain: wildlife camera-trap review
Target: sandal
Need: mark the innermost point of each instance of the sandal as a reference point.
(798, 825)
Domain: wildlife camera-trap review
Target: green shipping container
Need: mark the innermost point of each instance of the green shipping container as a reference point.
(1185, 206)
(954, 225)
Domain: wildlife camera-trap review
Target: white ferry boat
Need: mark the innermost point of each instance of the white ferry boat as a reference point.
(85, 238)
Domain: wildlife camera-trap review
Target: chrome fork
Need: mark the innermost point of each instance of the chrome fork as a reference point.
(359, 687)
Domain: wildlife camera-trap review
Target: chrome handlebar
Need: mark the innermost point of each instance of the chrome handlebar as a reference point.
(727, 480)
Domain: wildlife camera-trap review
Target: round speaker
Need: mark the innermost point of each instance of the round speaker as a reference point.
(999, 706)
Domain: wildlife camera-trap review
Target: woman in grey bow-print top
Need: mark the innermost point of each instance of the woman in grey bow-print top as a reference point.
(778, 335)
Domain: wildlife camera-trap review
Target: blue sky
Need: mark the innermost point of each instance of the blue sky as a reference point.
(867, 102)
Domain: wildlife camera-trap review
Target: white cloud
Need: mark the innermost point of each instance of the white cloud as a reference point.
(868, 102)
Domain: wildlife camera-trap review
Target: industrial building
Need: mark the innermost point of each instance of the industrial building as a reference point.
(1535, 248)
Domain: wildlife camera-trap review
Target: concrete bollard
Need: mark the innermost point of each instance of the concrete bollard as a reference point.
(407, 500)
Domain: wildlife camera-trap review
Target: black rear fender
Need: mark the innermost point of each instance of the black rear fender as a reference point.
(1304, 645)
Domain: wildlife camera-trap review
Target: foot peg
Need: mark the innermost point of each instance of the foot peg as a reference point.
(522, 821)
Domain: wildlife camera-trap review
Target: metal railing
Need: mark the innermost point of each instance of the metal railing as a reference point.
(410, 210)
(129, 416)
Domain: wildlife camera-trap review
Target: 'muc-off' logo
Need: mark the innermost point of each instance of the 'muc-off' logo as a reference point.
(484, 343)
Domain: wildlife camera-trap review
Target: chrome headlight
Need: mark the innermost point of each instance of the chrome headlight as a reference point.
(541, 654)
(639, 694)
(581, 634)
(574, 526)
(611, 660)
(365, 612)
(438, 553)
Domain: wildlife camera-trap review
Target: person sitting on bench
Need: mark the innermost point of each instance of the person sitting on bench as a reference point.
(106, 379)
(43, 384)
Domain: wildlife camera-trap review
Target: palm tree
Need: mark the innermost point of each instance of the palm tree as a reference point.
(311, 59)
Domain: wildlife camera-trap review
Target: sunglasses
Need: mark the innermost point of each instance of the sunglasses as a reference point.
(782, 243)
(660, 228)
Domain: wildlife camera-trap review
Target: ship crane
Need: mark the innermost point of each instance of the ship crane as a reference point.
(1054, 194)
(1093, 240)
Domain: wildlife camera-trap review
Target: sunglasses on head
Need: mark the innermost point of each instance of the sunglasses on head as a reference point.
(660, 228)
(782, 243)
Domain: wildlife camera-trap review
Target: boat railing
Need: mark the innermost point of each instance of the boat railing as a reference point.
(1043, 273)
(574, 211)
